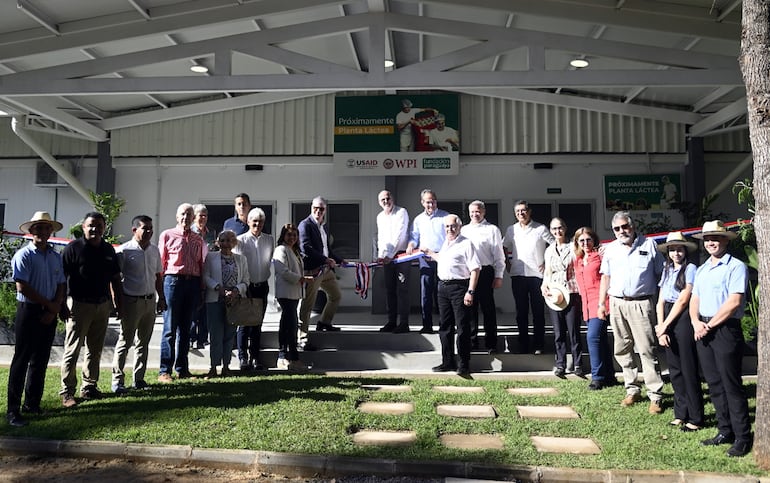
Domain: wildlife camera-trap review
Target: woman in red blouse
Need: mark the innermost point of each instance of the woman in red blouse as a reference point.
(588, 260)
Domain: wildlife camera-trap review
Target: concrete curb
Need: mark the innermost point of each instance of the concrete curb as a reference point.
(307, 466)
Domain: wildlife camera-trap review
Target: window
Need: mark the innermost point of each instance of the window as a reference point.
(574, 213)
(343, 220)
(461, 208)
(219, 212)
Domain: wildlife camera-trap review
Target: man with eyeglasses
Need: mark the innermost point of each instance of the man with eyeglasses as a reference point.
(427, 233)
(319, 262)
(458, 271)
(392, 238)
(630, 270)
(525, 242)
(257, 247)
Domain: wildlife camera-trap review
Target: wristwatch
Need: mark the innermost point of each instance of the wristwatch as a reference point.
(471, 292)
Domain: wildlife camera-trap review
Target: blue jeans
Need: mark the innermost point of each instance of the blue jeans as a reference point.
(183, 295)
(599, 350)
(221, 334)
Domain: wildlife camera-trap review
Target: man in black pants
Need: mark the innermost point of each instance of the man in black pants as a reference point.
(40, 292)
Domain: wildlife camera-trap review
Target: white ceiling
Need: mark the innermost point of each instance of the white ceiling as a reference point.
(90, 66)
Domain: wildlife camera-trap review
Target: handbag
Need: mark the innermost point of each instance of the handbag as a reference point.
(245, 311)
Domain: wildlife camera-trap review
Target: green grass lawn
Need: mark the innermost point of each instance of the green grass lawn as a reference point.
(313, 414)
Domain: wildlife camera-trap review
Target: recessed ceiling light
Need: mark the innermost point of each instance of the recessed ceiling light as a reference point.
(578, 63)
(200, 69)
(389, 63)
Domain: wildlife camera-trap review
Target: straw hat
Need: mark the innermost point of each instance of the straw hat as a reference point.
(675, 238)
(40, 217)
(715, 227)
(559, 298)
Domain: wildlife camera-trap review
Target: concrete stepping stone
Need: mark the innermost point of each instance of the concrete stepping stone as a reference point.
(466, 411)
(547, 412)
(458, 389)
(547, 444)
(385, 438)
(386, 408)
(472, 441)
(387, 387)
(533, 391)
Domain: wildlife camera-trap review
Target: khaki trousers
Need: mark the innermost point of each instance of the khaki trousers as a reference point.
(137, 321)
(87, 325)
(328, 283)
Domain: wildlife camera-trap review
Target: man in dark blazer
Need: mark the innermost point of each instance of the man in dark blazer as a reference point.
(319, 262)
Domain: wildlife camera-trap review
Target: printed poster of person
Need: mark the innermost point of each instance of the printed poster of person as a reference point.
(642, 192)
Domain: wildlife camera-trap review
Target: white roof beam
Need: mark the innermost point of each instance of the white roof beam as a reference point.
(728, 9)
(37, 15)
(713, 96)
(634, 93)
(143, 11)
(726, 114)
(583, 103)
(200, 108)
(42, 106)
(508, 24)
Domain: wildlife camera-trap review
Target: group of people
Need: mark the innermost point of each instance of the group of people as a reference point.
(696, 317)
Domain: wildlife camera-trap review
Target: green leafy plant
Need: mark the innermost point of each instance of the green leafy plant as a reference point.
(747, 241)
(8, 246)
(696, 214)
(646, 225)
(108, 204)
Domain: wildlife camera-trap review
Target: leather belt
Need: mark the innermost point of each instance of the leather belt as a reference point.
(182, 276)
(705, 320)
(643, 297)
(463, 281)
(145, 297)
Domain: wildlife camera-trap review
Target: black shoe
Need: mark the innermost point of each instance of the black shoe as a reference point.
(308, 347)
(256, 365)
(245, 366)
(578, 372)
(739, 448)
(14, 419)
(718, 439)
(689, 428)
(401, 329)
(491, 351)
(31, 410)
(91, 392)
(560, 372)
(595, 386)
(321, 327)
(185, 375)
(427, 330)
(444, 368)
(389, 327)
(463, 371)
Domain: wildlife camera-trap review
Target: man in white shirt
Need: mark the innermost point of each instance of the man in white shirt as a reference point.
(458, 272)
(139, 262)
(392, 240)
(257, 247)
(525, 242)
(404, 125)
(443, 138)
(488, 243)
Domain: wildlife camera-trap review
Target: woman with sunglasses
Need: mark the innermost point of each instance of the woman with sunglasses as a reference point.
(587, 263)
(675, 331)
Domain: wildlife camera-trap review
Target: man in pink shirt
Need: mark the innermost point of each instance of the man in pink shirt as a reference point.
(182, 253)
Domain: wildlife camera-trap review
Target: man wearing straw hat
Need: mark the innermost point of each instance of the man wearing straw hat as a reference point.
(716, 309)
(631, 269)
(40, 292)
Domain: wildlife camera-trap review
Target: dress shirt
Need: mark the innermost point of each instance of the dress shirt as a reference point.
(140, 268)
(668, 291)
(428, 230)
(259, 254)
(236, 225)
(182, 252)
(714, 283)
(589, 280)
(41, 270)
(324, 237)
(488, 243)
(527, 246)
(392, 232)
(634, 272)
(457, 259)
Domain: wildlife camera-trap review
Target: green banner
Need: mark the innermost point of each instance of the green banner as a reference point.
(642, 192)
(392, 124)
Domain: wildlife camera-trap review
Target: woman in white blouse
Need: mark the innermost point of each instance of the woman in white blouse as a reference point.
(226, 275)
(565, 314)
(289, 285)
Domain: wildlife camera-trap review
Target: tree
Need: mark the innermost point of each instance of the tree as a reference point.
(755, 66)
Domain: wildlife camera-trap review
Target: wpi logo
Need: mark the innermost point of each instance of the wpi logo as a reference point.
(387, 163)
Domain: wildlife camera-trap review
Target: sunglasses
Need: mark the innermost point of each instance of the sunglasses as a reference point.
(624, 226)
(319, 208)
(585, 240)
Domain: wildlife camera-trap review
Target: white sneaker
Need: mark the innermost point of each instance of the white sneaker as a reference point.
(282, 364)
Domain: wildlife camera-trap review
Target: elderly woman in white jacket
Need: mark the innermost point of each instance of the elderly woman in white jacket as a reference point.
(226, 275)
(289, 281)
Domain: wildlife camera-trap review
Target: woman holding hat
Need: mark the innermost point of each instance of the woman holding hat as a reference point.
(587, 263)
(560, 291)
(675, 331)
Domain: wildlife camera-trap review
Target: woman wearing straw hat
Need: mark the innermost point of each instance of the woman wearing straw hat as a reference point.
(716, 308)
(675, 331)
(560, 291)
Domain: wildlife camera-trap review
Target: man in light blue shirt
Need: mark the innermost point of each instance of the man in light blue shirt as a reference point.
(427, 234)
(630, 270)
